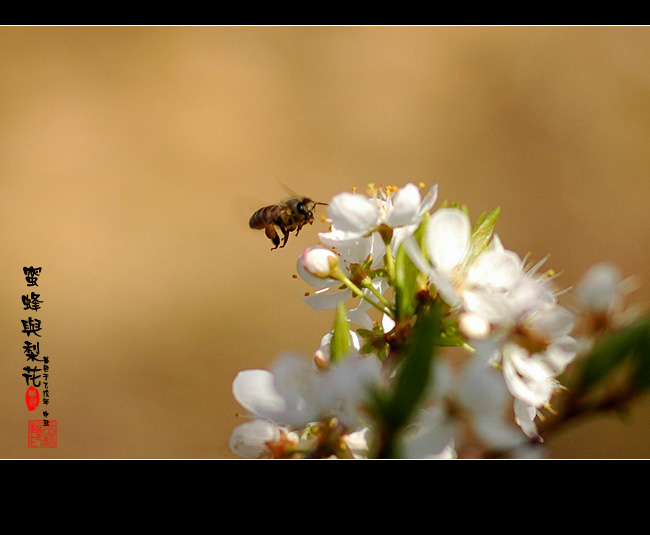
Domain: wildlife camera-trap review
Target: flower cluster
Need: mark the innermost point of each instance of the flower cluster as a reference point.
(444, 344)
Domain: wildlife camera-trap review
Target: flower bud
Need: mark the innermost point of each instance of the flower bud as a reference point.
(600, 287)
(474, 326)
(319, 262)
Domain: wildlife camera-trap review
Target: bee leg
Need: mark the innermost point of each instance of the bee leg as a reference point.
(272, 235)
(286, 237)
(298, 229)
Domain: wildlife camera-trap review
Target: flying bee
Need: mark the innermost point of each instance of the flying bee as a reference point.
(289, 215)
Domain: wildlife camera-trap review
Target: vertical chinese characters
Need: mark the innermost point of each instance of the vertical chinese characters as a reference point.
(41, 433)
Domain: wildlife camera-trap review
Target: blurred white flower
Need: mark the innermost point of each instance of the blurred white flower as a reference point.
(600, 288)
(600, 296)
(529, 339)
(477, 396)
(295, 394)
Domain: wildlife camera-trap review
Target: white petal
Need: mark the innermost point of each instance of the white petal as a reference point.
(249, 440)
(528, 379)
(349, 378)
(525, 418)
(345, 388)
(561, 352)
(447, 238)
(353, 212)
(360, 317)
(357, 442)
(445, 288)
(443, 378)
(442, 283)
(402, 233)
(496, 432)
(295, 379)
(326, 300)
(429, 199)
(405, 206)
(387, 323)
(415, 254)
(551, 321)
(495, 308)
(600, 286)
(529, 295)
(255, 391)
(482, 388)
(495, 270)
(431, 442)
(496, 244)
(323, 352)
(353, 247)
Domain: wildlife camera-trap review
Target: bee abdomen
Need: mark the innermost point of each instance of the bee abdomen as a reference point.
(262, 218)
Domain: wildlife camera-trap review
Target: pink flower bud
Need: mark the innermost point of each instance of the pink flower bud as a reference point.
(319, 261)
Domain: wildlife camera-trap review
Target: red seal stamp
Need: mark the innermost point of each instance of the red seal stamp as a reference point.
(40, 435)
(31, 398)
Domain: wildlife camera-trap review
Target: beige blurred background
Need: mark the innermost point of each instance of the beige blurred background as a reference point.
(132, 158)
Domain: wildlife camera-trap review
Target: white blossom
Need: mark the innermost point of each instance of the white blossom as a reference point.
(453, 266)
(476, 396)
(295, 394)
(600, 289)
(355, 218)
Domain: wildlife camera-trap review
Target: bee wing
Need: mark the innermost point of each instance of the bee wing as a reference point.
(292, 194)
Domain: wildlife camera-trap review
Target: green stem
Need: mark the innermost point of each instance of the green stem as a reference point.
(390, 260)
(382, 299)
(358, 292)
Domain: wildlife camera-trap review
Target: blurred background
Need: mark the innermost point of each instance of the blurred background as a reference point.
(131, 159)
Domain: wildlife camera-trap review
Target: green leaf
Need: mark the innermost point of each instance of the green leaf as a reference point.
(408, 279)
(340, 343)
(631, 342)
(642, 372)
(413, 375)
(405, 285)
(483, 230)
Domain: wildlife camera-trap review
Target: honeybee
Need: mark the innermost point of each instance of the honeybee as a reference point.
(289, 215)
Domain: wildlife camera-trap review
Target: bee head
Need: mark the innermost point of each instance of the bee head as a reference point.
(304, 208)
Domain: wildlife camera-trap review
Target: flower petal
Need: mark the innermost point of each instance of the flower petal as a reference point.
(353, 212)
(495, 270)
(448, 238)
(600, 286)
(249, 440)
(405, 206)
(353, 247)
(551, 321)
(325, 299)
(429, 199)
(529, 379)
(255, 391)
